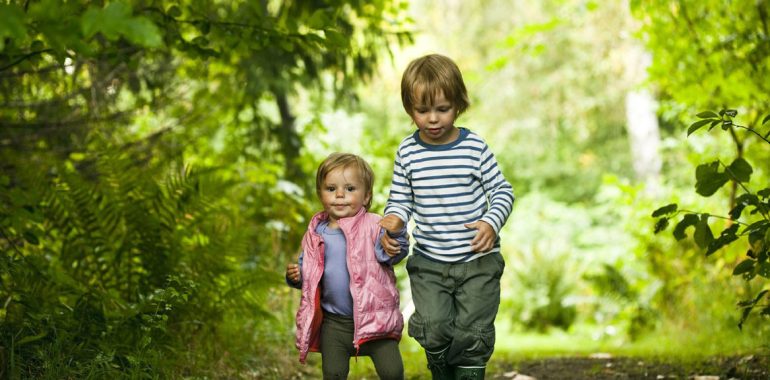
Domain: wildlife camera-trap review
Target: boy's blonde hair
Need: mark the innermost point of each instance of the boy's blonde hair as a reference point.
(426, 76)
(346, 160)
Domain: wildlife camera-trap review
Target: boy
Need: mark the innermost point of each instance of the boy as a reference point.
(447, 179)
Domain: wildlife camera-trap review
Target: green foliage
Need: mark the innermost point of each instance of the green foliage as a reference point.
(707, 53)
(119, 260)
(749, 217)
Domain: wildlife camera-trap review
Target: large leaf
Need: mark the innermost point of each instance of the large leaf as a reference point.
(665, 210)
(11, 24)
(709, 179)
(703, 235)
(741, 170)
(687, 221)
(115, 20)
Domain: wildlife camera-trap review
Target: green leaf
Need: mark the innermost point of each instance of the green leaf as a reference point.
(141, 31)
(319, 19)
(11, 24)
(697, 125)
(766, 119)
(31, 338)
(764, 193)
(115, 20)
(707, 114)
(703, 235)
(31, 238)
(764, 270)
(173, 11)
(661, 224)
(726, 124)
(730, 112)
(709, 179)
(741, 170)
(687, 221)
(726, 237)
(665, 210)
(743, 267)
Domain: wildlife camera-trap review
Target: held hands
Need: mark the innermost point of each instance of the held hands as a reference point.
(292, 273)
(394, 225)
(485, 236)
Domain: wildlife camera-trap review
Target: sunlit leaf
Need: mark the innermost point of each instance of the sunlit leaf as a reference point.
(697, 125)
(707, 115)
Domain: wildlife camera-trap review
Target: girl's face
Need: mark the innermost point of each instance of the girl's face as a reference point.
(343, 194)
(436, 121)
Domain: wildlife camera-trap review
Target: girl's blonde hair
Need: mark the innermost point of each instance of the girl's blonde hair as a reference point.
(427, 76)
(346, 160)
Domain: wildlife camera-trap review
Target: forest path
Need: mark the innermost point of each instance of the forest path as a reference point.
(748, 367)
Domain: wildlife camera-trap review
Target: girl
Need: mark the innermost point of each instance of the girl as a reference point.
(350, 303)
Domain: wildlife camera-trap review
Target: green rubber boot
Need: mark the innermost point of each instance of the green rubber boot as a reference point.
(438, 366)
(469, 373)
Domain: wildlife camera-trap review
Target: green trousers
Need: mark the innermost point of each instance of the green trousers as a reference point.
(455, 308)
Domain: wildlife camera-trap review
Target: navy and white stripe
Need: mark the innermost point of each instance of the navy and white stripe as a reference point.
(444, 187)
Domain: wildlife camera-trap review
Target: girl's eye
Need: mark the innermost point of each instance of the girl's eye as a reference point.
(351, 189)
(443, 110)
(330, 189)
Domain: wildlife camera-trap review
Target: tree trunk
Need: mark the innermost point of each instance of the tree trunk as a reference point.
(642, 125)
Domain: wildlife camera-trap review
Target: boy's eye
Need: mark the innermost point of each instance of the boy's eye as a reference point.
(351, 188)
(330, 188)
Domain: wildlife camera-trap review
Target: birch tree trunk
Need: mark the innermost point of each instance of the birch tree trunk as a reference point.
(642, 123)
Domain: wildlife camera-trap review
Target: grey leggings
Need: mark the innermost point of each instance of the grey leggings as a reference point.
(337, 348)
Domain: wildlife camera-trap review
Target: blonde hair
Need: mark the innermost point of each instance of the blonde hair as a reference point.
(427, 76)
(346, 160)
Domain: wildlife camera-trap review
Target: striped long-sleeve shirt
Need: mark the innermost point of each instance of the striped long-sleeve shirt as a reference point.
(443, 187)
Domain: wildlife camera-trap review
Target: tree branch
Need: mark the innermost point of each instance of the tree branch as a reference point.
(23, 58)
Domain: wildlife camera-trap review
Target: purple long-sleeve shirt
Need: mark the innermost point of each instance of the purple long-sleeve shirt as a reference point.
(335, 286)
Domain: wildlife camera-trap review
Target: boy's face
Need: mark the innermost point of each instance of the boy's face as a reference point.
(343, 194)
(436, 121)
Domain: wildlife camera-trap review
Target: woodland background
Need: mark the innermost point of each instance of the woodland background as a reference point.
(157, 163)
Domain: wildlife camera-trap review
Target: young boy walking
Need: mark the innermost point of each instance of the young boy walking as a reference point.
(448, 181)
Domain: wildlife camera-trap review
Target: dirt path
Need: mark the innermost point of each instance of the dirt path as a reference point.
(720, 368)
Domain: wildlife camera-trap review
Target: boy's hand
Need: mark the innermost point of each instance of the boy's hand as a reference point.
(292, 273)
(485, 236)
(392, 224)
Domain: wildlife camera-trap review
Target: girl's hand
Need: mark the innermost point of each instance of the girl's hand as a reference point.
(292, 273)
(485, 236)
